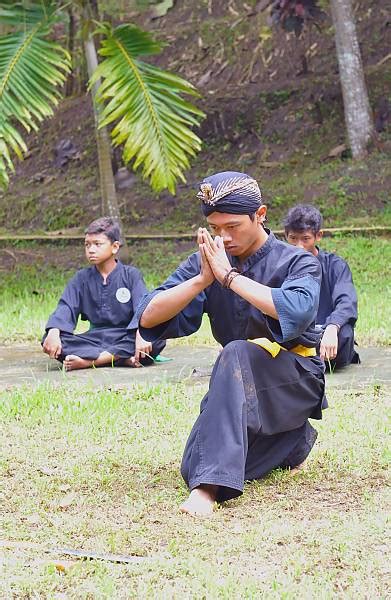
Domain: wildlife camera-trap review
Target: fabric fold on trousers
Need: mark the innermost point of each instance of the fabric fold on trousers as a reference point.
(254, 417)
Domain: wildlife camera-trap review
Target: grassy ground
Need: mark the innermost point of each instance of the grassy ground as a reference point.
(98, 470)
(29, 293)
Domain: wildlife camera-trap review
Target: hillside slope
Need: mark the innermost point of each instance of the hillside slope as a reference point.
(264, 116)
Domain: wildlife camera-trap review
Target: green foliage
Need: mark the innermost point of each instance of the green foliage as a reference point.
(30, 293)
(153, 121)
(274, 100)
(61, 216)
(31, 70)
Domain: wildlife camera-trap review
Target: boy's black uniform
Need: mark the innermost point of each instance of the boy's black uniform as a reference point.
(109, 308)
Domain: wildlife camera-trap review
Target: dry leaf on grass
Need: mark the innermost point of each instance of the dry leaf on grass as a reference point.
(46, 471)
(64, 565)
(67, 500)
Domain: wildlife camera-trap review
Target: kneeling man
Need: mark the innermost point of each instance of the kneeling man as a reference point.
(337, 312)
(261, 296)
(105, 294)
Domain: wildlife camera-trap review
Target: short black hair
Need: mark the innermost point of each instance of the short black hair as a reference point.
(107, 225)
(303, 217)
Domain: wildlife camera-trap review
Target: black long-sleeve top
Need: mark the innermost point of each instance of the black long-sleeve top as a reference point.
(294, 276)
(338, 297)
(112, 304)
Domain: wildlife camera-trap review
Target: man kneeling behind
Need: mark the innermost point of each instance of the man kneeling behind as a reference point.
(337, 313)
(105, 294)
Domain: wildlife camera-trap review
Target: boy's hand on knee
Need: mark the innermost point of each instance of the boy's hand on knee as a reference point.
(329, 343)
(52, 344)
(142, 349)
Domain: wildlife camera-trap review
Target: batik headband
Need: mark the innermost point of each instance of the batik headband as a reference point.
(230, 192)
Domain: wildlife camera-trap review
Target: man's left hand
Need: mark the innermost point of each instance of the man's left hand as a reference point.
(216, 255)
(329, 343)
(142, 349)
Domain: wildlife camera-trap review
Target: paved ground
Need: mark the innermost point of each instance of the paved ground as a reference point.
(28, 365)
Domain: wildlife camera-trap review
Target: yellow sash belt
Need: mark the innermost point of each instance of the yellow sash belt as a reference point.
(274, 347)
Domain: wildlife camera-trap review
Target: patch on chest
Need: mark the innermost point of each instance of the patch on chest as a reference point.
(123, 295)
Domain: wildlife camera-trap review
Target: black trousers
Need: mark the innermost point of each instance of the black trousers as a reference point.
(115, 340)
(254, 417)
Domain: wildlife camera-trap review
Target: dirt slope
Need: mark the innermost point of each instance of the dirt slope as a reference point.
(264, 116)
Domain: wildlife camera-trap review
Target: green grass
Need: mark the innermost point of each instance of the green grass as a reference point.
(29, 293)
(99, 470)
(369, 259)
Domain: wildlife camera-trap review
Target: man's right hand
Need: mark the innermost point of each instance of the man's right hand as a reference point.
(169, 302)
(206, 273)
(52, 343)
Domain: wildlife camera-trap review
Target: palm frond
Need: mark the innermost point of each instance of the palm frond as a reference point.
(31, 70)
(152, 120)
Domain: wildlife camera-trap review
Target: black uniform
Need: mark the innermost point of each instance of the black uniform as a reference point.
(255, 415)
(110, 309)
(338, 306)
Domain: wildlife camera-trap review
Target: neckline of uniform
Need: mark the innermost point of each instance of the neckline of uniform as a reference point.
(260, 253)
(109, 276)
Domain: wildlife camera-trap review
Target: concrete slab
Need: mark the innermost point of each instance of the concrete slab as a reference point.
(28, 365)
(375, 369)
(20, 365)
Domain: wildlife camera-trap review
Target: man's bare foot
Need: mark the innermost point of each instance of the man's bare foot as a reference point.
(296, 470)
(73, 362)
(201, 501)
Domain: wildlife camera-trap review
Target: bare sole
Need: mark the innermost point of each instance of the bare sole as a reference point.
(298, 469)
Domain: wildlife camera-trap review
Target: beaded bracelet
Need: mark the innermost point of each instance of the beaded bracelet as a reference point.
(229, 277)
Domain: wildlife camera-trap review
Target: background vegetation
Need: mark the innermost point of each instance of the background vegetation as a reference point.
(29, 293)
(265, 116)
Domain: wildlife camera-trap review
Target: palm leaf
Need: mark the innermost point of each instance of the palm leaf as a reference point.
(31, 70)
(151, 118)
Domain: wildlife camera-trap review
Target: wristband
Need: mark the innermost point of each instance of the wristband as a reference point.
(230, 280)
(229, 277)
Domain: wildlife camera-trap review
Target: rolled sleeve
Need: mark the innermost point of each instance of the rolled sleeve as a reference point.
(296, 303)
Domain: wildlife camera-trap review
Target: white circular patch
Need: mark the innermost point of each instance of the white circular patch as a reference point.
(122, 295)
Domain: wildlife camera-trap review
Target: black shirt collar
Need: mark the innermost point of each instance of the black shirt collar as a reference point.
(117, 269)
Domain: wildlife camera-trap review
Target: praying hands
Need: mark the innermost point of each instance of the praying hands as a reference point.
(213, 255)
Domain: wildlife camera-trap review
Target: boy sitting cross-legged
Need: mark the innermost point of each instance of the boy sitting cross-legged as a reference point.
(106, 294)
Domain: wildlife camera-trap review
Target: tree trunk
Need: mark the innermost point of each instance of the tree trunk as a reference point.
(70, 82)
(358, 116)
(108, 195)
(109, 202)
